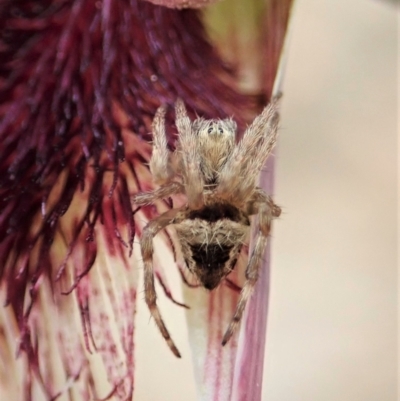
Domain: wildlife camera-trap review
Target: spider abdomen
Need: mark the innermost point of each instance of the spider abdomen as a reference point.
(211, 239)
(211, 263)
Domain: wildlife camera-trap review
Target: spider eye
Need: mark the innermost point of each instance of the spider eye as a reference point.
(210, 130)
(220, 130)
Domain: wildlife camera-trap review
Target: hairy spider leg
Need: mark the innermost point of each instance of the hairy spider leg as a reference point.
(190, 158)
(259, 196)
(238, 177)
(147, 198)
(253, 268)
(160, 166)
(172, 216)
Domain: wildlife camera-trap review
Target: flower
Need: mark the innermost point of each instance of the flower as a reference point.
(80, 81)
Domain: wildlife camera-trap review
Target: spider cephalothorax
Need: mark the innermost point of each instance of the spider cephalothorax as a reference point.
(218, 178)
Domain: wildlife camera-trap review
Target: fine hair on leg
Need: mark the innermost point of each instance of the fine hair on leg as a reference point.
(146, 243)
(160, 166)
(252, 270)
(190, 158)
(147, 198)
(237, 178)
(259, 197)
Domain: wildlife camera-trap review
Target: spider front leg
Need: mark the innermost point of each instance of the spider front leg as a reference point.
(252, 271)
(146, 243)
(190, 158)
(160, 165)
(147, 198)
(237, 178)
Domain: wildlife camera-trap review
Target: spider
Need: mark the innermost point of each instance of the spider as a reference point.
(219, 179)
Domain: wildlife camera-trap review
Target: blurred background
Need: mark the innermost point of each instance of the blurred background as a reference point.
(332, 331)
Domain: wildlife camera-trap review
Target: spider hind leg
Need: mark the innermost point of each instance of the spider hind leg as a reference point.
(146, 243)
(265, 214)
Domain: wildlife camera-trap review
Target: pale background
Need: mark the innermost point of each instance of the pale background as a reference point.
(332, 322)
(332, 330)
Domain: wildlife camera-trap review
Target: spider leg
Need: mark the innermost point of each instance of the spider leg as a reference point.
(259, 196)
(146, 198)
(190, 158)
(253, 268)
(238, 176)
(160, 158)
(146, 243)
